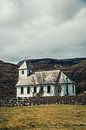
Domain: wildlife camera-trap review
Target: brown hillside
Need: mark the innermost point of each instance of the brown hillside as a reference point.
(8, 79)
(79, 76)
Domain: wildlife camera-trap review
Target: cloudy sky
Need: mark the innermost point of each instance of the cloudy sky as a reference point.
(42, 28)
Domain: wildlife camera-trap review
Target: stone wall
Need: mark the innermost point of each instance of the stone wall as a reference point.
(73, 100)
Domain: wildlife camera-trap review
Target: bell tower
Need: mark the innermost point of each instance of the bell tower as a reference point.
(23, 70)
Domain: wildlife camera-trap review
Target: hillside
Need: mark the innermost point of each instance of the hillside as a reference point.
(74, 68)
(8, 79)
(42, 64)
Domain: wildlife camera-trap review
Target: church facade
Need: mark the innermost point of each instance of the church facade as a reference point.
(43, 83)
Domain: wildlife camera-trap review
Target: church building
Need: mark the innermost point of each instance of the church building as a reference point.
(43, 83)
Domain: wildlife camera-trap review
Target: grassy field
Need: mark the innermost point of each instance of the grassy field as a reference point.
(44, 117)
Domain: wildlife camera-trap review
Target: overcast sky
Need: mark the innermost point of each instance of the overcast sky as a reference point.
(42, 28)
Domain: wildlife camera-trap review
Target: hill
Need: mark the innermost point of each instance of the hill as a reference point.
(8, 79)
(74, 68)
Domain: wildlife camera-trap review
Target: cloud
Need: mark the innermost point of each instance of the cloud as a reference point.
(42, 28)
(63, 10)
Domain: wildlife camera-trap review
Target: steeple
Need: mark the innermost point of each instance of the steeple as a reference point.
(24, 65)
(23, 71)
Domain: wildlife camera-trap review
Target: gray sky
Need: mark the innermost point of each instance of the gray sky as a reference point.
(42, 28)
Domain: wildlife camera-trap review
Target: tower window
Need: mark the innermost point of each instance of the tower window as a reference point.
(28, 90)
(48, 89)
(22, 90)
(22, 71)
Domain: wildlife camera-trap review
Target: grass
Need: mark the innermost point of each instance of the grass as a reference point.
(44, 117)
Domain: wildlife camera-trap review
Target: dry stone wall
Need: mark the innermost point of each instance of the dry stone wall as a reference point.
(73, 100)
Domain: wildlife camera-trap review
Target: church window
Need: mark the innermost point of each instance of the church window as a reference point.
(28, 90)
(35, 89)
(48, 89)
(73, 88)
(22, 90)
(67, 90)
(41, 89)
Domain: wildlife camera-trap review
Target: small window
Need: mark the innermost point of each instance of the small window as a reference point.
(48, 89)
(67, 90)
(22, 71)
(22, 90)
(41, 89)
(73, 88)
(35, 89)
(28, 90)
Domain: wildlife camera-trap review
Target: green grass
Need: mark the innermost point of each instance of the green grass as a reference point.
(44, 117)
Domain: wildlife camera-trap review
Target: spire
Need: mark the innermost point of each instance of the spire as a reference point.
(23, 69)
(24, 65)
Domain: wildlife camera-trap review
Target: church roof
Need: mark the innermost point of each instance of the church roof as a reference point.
(37, 78)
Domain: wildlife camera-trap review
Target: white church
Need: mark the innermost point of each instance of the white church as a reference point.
(43, 83)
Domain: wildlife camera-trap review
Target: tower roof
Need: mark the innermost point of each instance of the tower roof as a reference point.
(24, 65)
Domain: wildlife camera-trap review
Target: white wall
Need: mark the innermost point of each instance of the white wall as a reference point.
(31, 94)
(62, 90)
(70, 90)
(51, 91)
(32, 90)
(65, 81)
(23, 75)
